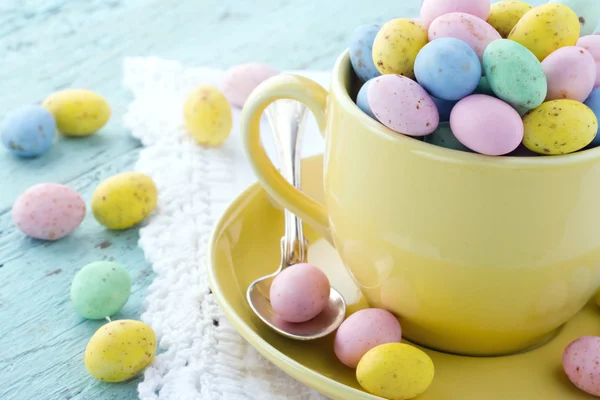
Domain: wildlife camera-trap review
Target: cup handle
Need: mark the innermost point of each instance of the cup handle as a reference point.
(313, 95)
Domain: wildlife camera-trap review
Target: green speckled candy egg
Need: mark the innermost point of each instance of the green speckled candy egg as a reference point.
(515, 74)
(100, 289)
(120, 350)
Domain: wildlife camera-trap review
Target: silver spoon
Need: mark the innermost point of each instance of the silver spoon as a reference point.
(287, 118)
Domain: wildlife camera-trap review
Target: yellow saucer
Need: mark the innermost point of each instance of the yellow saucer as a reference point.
(245, 246)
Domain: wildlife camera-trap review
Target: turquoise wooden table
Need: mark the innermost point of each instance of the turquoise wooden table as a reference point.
(47, 45)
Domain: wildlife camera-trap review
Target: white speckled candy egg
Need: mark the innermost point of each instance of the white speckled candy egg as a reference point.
(431, 9)
(240, 80)
(581, 360)
(48, 211)
(592, 44)
(362, 331)
(472, 30)
(571, 73)
(403, 105)
(486, 125)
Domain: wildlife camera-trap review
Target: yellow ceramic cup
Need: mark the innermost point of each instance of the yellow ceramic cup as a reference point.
(476, 255)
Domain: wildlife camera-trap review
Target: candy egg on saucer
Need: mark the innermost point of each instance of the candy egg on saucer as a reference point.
(362, 331)
(240, 80)
(448, 68)
(570, 72)
(403, 105)
(504, 15)
(588, 13)
(592, 44)
(28, 131)
(444, 107)
(444, 137)
(593, 102)
(486, 125)
(78, 112)
(361, 51)
(48, 211)
(580, 362)
(362, 100)
(431, 9)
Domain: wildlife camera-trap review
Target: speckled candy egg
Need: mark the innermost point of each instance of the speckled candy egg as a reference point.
(570, 72)
(239, 81)
(299, 293)
(504, 15)
(124, 200)
(580, 362)
(443, 137)
(474, 31)
(546, 28)
(362, 100)
(593, 102)
(120, 350)
(592, 44)
(395, 371)
(448, 68)
(588, 12)
(396, 46)
(486, 125)
(28, 131)
(444, 107)
(483, 87)
(559, 127)
(362, 331)
(515, 74)
(78, 112)
(403, 105)
(100, 289)
(48, 211)
(361, 51)
(431, 9)
(208, 116)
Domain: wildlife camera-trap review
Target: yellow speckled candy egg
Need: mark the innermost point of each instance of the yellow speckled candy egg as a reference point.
(396, 46)
(559, 127)
(547, 28)
(208, 116)
(78, 112)
(504, 15)
(395, 371)
(124, 200)
(120, 350)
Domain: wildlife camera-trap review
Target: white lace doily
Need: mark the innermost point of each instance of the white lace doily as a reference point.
(197, 359)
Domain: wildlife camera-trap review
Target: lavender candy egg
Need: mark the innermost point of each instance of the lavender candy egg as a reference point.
(403, 105)
(570, 72)
(580, 362)
(28, 131)
(431, 9)
(361, 52)
(362, 100)
(240, 80)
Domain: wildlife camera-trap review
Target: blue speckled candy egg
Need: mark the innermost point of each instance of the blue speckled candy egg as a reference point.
(362, 100)
(448, 68)
(361, 51)
(593, 102)
(444, 108)
(28, 131)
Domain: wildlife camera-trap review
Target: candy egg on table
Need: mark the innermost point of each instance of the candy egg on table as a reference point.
(48, 211)
(362, 100)
(124, 200)
(546, 28)
(78, 112)
(515, 74)
(396, 46)
(100, 289)
(28, 131)
(592, 44)
(580, 362)
(593, 102)
(395, 371)
(239, 81)
(208, 116)
(299, 293)
(431, 9)
(504, 15)
(588, 13)
(361, 51)
(403, 105)
(444, 107)
(120, 350)
(448, 68)
(362, 331)
(486, 125)
(474, 31)
(570, 72)
(559, 127)
(444, 137)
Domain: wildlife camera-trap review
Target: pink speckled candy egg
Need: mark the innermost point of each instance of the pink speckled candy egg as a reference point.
(486, 125)
(299, 293)
(592, 44)
(48, 211)
(431, 9)
(403, 105)
(466, 27)
(581, 362)
(240, 80)
(571, 74)
(362, 331)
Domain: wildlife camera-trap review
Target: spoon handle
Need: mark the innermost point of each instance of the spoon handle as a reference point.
(287, 118)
